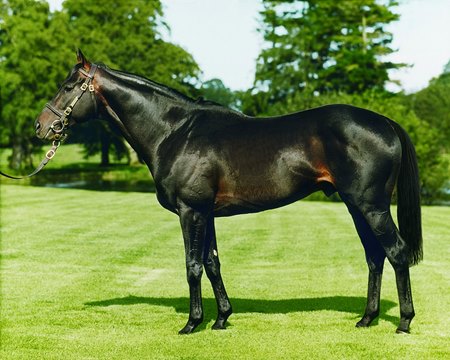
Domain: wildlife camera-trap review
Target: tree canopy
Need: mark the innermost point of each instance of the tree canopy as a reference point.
(126, 35)
(319, 46)
(31, 63)
(433, 105)
(37, 49)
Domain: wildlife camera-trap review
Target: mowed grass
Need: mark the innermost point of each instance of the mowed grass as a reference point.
(101, 275)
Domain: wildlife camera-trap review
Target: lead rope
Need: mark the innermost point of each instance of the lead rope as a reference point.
(48, 156)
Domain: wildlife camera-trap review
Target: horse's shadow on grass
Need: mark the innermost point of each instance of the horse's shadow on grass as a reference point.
(347, 304)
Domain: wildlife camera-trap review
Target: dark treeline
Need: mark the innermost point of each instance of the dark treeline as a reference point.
(316, 52)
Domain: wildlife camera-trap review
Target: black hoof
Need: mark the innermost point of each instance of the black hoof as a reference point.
(361, 324)
(403, 327)
(402, 331)
(219, 325)
(364, 322)
(189, 328)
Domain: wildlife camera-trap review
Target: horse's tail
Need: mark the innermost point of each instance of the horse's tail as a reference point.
(408, 198)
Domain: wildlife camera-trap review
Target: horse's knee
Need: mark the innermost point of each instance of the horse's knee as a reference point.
(194, 270)
(376, 264)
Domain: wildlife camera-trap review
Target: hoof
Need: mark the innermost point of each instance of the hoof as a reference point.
(403, 327)
(186, 330)
(402, 331)
(365, 322)
(189, 328)
(219, 325)
(361, 324)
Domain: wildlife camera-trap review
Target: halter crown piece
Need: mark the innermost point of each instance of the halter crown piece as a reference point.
(59, 125)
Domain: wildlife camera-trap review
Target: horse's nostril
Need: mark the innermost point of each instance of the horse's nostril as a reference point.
(38, 125)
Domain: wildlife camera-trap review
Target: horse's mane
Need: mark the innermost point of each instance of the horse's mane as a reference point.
(144, 83)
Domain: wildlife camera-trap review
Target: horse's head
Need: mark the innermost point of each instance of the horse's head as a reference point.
(74, 102)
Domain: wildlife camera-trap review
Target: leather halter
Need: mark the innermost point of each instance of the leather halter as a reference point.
(59, 126)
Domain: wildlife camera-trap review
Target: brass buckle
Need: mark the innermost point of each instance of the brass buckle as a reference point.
(84, 86)
(91, 88)
(67, 111)
(50, 154)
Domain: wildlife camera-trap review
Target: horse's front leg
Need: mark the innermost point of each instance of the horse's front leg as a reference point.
(193, 225)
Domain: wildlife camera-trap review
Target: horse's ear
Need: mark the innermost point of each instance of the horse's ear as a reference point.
(82, 60)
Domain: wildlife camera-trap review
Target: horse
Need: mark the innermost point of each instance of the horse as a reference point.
(209, 161)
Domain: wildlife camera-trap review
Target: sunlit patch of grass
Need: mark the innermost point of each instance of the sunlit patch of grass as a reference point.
(101, 275)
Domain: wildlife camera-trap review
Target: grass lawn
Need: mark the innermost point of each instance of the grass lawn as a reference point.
(101, 275)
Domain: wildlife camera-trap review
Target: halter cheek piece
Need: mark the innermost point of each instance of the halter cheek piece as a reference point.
(59, 125)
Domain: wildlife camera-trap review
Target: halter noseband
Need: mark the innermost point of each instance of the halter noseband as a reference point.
(59, 125)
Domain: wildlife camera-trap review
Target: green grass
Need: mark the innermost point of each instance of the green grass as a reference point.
(100, 275)
(70, 165)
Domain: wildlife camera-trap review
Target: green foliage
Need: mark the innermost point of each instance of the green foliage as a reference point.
(31, 61)
(109, 283)
(126, 35)
(216, 91)
(37, 48)
(322, 46)
(432, 104)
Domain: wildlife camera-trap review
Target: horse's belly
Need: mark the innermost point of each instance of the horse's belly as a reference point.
(253, 185)
(258, 197)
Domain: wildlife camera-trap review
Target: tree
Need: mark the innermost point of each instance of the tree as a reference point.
(447, 68)
(216, 91)
(32, 57)
(319, 46)
(432, 104)
(125, 35)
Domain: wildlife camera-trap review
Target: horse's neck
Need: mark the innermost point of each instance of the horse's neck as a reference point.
(145, 119)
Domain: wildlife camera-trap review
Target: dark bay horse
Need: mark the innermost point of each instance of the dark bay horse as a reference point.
(209, 161)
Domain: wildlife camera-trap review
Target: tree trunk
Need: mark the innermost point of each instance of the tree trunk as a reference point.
(105, 145)
(21, 154)
(17, 156)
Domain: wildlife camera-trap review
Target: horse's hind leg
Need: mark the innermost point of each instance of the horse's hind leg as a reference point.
(375, 256)
(380, 221)
(212, 267)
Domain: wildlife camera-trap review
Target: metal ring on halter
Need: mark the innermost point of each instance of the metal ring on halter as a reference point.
(58, 123)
